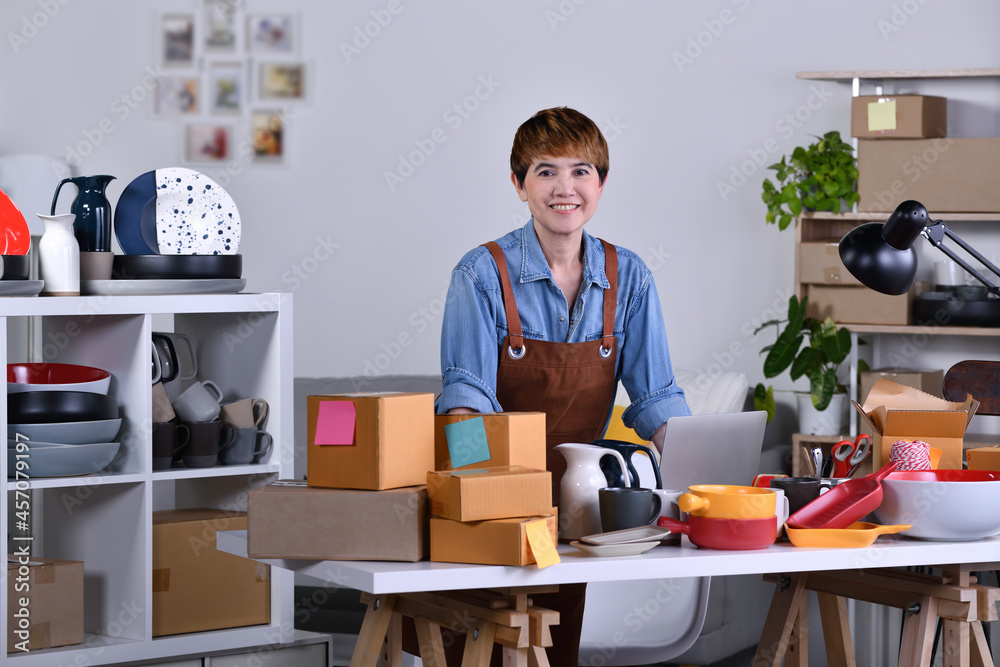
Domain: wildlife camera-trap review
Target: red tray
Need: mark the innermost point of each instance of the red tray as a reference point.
(843, 504)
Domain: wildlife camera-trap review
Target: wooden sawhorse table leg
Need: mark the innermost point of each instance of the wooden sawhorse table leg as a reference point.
(954, 597)
(498, 616)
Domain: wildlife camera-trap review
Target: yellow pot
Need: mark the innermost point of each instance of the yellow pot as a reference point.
(723, 501)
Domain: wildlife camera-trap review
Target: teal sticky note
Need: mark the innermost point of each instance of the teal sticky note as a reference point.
(467, 442)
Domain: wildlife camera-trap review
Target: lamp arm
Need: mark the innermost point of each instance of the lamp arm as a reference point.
(935, 234)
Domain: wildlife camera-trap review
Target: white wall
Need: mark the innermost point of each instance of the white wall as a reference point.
(676, 129)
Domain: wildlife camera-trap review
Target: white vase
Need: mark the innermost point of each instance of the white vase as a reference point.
(59, 256)
(828, 422)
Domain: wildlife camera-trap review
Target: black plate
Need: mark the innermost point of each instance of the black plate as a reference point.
(945, 309)
(177, 267)
(15, 267)
(48, 407)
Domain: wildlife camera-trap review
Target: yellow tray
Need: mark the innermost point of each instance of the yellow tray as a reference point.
(859, 534)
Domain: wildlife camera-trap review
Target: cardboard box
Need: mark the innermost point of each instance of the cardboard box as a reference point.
(926, 380)
(893, 411)
(858, 305)
(899, 116)
(513, 438)
(44, 603)
(946, 175)
(288, 519)
(820, 264)
(479, 494)
(386, 440)
(195, 586)
(495, 542)
(983, 458)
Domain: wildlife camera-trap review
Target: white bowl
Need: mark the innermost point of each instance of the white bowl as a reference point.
(951, 505)
(68, 433)
(52, 460)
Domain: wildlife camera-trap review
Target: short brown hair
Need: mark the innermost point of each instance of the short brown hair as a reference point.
(558, 132)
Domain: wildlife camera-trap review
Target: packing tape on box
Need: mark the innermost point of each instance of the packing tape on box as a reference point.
(262, 572)
(41, 634)
(161, 580)
(46, 574)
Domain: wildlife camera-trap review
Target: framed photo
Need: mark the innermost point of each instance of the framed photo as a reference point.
(225, 85)
(220, 25)
(282, 81)
(177, 95)
(268, 136)
(177, 47)
(207, 142)
(271, 33)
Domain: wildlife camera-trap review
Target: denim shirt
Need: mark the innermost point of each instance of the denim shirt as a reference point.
(475, 325)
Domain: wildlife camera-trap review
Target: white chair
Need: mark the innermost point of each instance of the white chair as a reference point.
(643, 622)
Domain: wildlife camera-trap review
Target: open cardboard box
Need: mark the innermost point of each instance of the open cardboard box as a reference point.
(893, 411)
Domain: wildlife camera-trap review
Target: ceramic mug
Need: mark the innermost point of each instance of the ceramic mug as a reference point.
(199, 403)
(162, 410)
(799, 491)
(780, 510)
(249, 443)
(627, 507)
(245, 413)
(169, 440)
(208, 439)
(174, 365)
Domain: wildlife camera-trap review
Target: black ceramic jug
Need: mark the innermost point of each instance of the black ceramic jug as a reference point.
(92, 226)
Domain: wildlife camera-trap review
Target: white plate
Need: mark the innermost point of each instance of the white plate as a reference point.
(194, 215)
(20, 287)
(50, 460)
(124, 287)
(68, 433)
(639, 534)
(626, 549)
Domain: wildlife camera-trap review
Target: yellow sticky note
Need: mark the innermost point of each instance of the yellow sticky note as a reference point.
(882, 116)
(540, 541)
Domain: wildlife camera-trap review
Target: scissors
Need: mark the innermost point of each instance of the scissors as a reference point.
(847, 455)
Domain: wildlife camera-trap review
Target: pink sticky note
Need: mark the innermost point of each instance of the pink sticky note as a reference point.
(335, 423)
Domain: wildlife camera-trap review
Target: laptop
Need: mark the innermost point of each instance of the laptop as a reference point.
(719, 448)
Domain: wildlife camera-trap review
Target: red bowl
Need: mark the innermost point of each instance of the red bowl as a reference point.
(56, 377)
(946, 476)
(729, 534)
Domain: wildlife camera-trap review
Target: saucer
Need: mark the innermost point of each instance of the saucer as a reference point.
(623, 549)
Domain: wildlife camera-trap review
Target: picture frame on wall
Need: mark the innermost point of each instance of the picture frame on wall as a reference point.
(272, 33)
(207, 142)
(269, 136)
(220, 27)
(225, 88)
(282, 81)
(177, 95)
(177, 40)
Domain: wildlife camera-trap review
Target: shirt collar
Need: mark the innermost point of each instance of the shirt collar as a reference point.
(535, 267)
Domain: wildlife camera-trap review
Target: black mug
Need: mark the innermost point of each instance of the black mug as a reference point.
(627, 507)
(169, 440)
(800, 491)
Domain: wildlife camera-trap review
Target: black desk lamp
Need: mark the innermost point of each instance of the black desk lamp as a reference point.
(882, 257)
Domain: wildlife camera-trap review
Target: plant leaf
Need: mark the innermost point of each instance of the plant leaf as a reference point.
(823, 383)
(763, 399)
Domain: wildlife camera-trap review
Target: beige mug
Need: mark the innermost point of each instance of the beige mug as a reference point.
(244, 413)
(162, 410)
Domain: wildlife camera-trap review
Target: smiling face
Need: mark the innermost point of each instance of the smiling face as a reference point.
(561, 193)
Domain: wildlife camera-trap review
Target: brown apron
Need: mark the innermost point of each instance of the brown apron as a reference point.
(574, 385)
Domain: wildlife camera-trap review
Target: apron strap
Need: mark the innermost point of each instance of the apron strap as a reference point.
(610, 297)
(510, 306)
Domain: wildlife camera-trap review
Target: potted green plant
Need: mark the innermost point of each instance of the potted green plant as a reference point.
(820, 177)
(806, 347)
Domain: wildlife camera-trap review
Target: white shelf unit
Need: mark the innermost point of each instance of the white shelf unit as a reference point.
(244, 344)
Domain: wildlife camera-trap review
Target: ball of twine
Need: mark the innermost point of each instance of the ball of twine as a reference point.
(910, 455)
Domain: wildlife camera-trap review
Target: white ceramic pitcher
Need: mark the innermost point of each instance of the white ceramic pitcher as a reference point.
(59, 256)
(579, 508)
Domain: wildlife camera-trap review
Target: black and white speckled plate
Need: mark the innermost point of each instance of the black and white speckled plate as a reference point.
(194, 215)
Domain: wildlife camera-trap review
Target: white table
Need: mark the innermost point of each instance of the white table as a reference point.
(685, 560)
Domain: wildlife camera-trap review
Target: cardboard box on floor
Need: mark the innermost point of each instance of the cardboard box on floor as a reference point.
(48, 598)
(288, 519)
(513, 438)
(494, 542)
(928, 380)
(478, 494)
(893, 411)
(383, 441)
(195, 586)
(899, 116)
